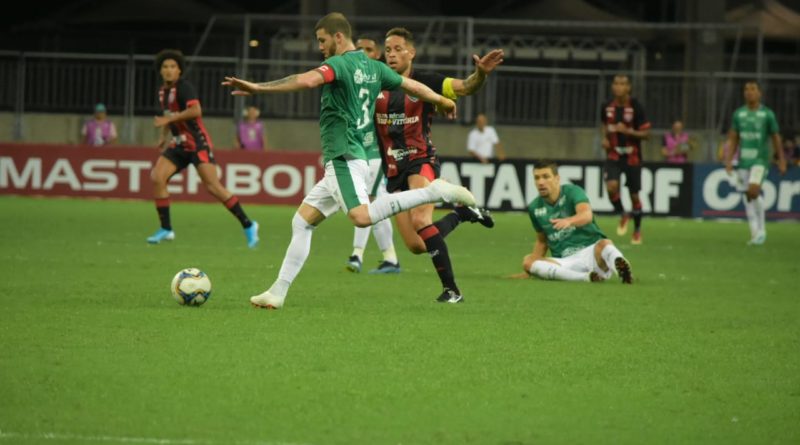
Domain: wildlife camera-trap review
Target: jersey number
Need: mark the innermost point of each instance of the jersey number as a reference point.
(361, 123)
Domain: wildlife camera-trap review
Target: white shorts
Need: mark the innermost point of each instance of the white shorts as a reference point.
(344, 186)
(375, 182)
(584, 261)
(753, 175)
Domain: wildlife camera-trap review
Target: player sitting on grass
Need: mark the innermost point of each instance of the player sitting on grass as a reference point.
(565, 224)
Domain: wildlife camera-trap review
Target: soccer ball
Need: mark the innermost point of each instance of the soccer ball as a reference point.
(191, 286)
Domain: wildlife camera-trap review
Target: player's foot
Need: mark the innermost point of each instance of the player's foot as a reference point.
(636, 239)
(354, 264)
(161, 235)
(474, 214)
(251, 233)
(759, 239)
(386, 267)
(449, 296)
(267, 301)
(595, 277)
(622, 228)
(452, 193)
(623, 268)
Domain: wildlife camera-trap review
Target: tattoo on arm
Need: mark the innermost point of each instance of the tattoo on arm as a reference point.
(474, 82)
(279, 82)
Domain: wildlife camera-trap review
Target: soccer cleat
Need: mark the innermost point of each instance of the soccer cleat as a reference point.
(474, 214)
(760, 238)
(251, 233)
(267, 301)
(622, 228)
(161, 235)
(636, 239)
(386, 267)
(595, 277)
(623, 268)
(449, 296)
(452, 193)
(354, 264)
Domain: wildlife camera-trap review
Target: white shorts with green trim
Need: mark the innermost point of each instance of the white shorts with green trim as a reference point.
(753, 175)
(344, 186)
(375, 182)
(584, 261)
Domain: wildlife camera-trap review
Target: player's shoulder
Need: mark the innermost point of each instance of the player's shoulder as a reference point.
(535, 204)
(572, 190)
(635, 103)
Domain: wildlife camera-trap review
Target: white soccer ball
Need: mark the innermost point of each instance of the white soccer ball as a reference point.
(191, 287)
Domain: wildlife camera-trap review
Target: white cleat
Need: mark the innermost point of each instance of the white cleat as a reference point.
(267, 301)
(452, 193)
(761, 238)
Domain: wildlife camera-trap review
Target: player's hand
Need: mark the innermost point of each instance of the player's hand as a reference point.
(446, 107)
(561, 223)
(606, 145)
(241, 87)
(519, 276)
(489, 62)
(622, 128)
(782, 166)
(160, 121)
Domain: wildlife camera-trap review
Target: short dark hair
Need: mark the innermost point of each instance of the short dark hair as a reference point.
(401, 32)
(546, 163)
(753, 81)
(167, 54)
(368, 37)
(333, 23)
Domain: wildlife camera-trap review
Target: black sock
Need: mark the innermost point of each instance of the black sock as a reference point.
(434, 243)
(162, 207)
(233, 205)
(637, 217)
(617, 202)
(447, 223)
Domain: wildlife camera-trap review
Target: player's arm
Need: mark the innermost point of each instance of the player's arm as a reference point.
(295, 82)
(420, 90)
(163, 137)
(583, 215)
(192, 111)
(733, 142)
(539, 247)
(777, 145)
(483, 66)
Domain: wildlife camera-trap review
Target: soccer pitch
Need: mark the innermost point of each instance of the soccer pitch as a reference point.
(704, 348)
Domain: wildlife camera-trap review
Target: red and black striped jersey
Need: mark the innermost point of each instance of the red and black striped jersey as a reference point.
(190, 134)
(632, 115)
(403, 124)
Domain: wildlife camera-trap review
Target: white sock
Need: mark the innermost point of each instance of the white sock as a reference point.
(295, 257)
(391, 204)
(382, 231)
(360, 238)
(609, 254)
(761, 214)
(551, 271)
(752, 217)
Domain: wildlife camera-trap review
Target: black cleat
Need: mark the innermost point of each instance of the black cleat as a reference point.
(595, 277)
(624, 270)
(386, 267)
(474, 214)
(449, 296)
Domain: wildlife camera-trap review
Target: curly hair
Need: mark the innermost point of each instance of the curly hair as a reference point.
(167, 54)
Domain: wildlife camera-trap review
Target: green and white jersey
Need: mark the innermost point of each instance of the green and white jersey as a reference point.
(352, 83)
(566, 242)
(755, 128)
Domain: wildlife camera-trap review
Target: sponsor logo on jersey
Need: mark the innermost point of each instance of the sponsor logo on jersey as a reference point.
(359, 77)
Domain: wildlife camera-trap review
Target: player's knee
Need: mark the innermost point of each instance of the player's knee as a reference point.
(420, 221)
(527, 263)
(416, 247)
(156, 179)
(359, 218)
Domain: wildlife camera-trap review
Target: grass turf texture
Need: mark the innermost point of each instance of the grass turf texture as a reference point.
(702, 349)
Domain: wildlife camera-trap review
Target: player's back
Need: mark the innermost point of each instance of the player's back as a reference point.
(348, 103)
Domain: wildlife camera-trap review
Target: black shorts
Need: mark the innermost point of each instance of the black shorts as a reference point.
(633, 174)
(428, 167)
(182, 158)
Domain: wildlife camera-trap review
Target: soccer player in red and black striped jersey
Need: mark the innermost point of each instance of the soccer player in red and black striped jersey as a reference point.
(189, 144)
(624, 127)
(403, 127)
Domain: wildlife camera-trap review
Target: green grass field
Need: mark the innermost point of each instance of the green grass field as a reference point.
(703, 349)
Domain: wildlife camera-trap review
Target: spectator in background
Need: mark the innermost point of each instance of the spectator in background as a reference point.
(676, 144)
(99, 131)
(483, 143)
(790, 151)
(250, 135)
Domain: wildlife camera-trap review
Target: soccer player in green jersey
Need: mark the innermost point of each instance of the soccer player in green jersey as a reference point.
(753, 127)
(382, 231)
(564, 224)
(350, 83)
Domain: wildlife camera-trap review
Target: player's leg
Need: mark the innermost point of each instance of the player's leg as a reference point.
(323, 200)
(743, 185)
(208, 174)
(553, 269)
(757, 173)
(608, 258)
(460, 214)
(159, 176)
(633, 180)
(612, 173)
